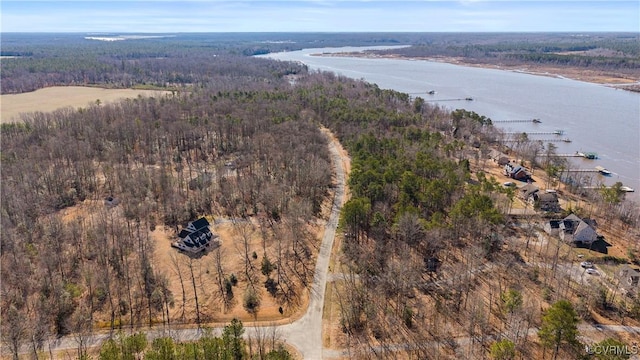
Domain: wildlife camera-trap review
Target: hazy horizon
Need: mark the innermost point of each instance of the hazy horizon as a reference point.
(313, 16)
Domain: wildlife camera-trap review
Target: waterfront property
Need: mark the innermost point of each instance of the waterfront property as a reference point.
(546, 201)
(573, 230)
(526, 192)
(516, 172)
(561, 103)
(577, 231)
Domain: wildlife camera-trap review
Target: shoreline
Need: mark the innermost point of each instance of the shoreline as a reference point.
(600, 77)
(628, 179)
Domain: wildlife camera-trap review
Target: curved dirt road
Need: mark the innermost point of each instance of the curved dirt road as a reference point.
(306, 333)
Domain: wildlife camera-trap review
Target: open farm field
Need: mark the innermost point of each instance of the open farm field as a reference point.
(53, 98)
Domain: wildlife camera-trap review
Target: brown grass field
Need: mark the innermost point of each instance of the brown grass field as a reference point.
(53, 98)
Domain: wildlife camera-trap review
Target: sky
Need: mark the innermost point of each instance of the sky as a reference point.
(171, 16)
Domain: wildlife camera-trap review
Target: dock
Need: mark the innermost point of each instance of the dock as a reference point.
(622, 188)
(459, 99)
(555, 132)
(587, 155)
(597, 169)
(512, 121)
(567, 140)
(582, 170)
(560, 155)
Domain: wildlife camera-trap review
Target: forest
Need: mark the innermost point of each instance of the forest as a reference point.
(598, 51)
(428, 252)
(52, 59)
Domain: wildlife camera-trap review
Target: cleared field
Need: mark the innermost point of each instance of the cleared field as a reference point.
(52, 98)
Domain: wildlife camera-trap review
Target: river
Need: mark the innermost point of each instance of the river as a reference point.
(594, 117)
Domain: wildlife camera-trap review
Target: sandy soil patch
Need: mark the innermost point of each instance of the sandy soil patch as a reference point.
(170, 261)
(53, 98)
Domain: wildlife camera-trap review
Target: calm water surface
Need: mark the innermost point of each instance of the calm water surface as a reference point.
(596, 118)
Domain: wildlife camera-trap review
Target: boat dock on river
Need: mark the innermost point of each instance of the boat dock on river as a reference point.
(555, 132)
(586, 155)
(622, 188)
(567, 140)
(597, 169)
(512, 121)
(457, 99)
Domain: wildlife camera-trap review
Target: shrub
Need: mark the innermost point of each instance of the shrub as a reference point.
(251, 301)
(267, 266)
(271, 286)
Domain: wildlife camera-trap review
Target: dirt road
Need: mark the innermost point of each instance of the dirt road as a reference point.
(306, 333)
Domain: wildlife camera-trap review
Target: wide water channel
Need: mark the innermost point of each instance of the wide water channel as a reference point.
(596, 118)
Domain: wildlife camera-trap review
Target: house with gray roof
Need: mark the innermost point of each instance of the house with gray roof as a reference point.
(578, 231)
(527, 191)
(546, 201)
(195, 237)
(629, 279)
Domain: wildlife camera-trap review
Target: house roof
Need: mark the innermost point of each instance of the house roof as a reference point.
(528, 190)
(555, 224)
(569, 225)
(200, 223)
(591, 222)
(516, 169)
(573, 217)
(495, 154)
(503, 160)
(547, 198)
(196, 236)
(582, 227)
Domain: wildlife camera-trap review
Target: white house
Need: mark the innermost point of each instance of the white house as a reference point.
(195, 237)
(574, 230)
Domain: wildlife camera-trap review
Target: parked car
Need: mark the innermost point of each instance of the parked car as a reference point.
(509, 184)
(586, 264)
(592, 271)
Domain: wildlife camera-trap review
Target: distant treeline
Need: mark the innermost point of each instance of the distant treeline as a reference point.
(602, 51)
(40, 60)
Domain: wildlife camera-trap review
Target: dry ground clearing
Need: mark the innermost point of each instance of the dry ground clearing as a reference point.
(56, 97)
